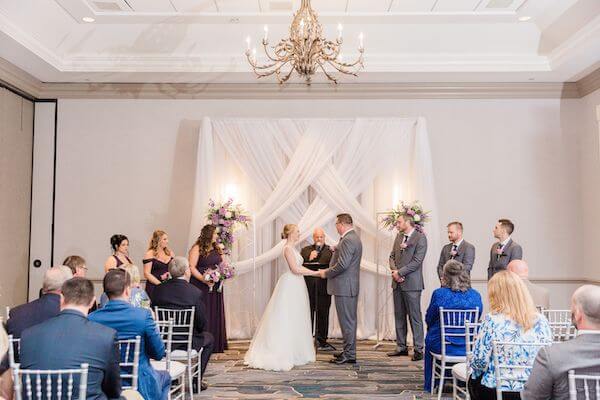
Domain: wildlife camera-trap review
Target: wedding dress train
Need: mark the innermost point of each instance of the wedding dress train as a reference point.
(284, 335)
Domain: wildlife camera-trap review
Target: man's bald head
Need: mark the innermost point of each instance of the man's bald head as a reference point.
(319, 236)
(519, 267)
(585, 306)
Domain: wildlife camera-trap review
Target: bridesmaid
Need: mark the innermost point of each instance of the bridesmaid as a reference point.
(120, 247)
(156, 261)
(205, 255)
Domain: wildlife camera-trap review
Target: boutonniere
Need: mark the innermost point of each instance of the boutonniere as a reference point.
(453, 253)
(403, 246)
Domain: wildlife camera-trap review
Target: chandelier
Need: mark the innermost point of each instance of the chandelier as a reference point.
(306, 51)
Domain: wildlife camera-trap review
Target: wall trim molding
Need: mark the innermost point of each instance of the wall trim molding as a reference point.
(589, 83)
(30, 86)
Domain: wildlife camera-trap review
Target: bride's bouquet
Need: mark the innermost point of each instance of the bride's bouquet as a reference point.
(216, 276)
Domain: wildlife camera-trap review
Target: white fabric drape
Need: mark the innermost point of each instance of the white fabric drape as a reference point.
(306, 171)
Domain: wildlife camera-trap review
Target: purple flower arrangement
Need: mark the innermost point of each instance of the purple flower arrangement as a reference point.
(227, 217)
(223, 271)
(414, 210)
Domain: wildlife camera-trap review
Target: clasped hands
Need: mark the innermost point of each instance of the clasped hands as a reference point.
(397, 277)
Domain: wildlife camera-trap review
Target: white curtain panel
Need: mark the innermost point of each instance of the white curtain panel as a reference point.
(306, 171)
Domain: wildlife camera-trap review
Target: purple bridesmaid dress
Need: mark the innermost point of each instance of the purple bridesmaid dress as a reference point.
(213, 301)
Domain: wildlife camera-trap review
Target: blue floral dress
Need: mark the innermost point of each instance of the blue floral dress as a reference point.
(497, 327)
(452, 300)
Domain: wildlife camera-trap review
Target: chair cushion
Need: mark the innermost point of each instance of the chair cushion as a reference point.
(459, 371)
(449, 359)
(182, 354)
(177, 369)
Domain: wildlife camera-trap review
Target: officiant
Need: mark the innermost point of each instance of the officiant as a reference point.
(317, 256)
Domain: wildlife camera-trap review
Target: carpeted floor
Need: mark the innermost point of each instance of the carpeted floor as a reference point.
(376, 376)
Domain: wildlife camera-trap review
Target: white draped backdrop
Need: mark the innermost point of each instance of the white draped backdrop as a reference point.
(305, 171)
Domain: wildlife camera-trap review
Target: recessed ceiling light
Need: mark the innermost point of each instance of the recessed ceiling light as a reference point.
(524, 18)
(88, 19)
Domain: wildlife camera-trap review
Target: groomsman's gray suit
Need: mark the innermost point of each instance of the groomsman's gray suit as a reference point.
(549, 376)
(465, 253)
(512, 251)
(343, 283)
(407, 295)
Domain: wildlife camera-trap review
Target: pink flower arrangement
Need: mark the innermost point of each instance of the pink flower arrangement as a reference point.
(414, 210)
(217, 275)
(227, 217)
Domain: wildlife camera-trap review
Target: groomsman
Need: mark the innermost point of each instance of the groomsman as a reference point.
(458, 249)
(406, 262)
(505, 249)
(317, 256)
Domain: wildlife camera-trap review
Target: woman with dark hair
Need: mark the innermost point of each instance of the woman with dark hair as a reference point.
(205, 255)
(120, 247)
(156, 261)
(455, 294)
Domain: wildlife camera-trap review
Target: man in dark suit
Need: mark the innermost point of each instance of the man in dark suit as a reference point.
(458, 249)
(178, 293)
(317, 256)
(46, 307)
(70, 339)
(549, 376)
(505, 249)
(129, 322)
(406, 263)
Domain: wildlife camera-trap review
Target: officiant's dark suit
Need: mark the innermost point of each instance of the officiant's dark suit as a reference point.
(320, 301)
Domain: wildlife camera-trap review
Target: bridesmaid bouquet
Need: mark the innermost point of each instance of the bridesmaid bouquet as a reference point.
(216, 276)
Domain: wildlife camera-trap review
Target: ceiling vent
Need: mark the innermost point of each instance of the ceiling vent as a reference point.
(496, 4)
(107, 6)
(279, 5)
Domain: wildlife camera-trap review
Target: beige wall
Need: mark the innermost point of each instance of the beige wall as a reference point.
(589, 126)
(127, 166)
(16, 142)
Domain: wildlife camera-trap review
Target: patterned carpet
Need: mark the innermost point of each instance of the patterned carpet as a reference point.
(376, 376)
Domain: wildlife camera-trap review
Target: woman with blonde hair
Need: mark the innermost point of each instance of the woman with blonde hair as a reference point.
(512, 318)
(156, 260)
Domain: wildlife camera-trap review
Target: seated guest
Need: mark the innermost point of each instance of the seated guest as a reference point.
(79, 269)
(138, 296)
(549, 377)
(69, 340)
(129, 322)
(539, 294)
(178, 293)
(512, 318)
(455, 294)
(46, 307)
(6, 390)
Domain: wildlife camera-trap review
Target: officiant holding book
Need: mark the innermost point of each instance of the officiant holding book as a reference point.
(317, 256)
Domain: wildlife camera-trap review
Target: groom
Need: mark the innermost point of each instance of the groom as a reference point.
(342, 282)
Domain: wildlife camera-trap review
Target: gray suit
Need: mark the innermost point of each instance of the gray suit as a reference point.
(465, 253)
(407, 295)
(343, 283)
(549, 376)
(512, 251)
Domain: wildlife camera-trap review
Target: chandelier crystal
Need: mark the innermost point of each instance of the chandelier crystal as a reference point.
(306, 51)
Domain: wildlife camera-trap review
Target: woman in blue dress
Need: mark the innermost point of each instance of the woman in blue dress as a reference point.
(455, 294)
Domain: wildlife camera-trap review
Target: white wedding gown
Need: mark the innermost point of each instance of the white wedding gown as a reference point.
(284, 335)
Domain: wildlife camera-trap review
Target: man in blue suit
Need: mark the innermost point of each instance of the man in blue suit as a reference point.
(129, 322)
(69, 340)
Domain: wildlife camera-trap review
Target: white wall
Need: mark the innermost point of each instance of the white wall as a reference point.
(126, 166)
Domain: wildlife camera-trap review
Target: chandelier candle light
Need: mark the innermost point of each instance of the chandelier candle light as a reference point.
(306, 51)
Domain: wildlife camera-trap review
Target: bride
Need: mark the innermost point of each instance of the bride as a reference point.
(284, 336)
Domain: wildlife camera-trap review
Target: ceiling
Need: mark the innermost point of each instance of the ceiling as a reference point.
(203, 40)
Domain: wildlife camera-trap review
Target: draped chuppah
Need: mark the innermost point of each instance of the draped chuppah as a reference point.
(305, 171)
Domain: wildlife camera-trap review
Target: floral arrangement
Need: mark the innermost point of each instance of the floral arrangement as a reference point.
(227, 217)
(414, 210)
(217, 275)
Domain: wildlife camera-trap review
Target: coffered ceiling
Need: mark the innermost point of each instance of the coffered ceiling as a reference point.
(203, 40)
